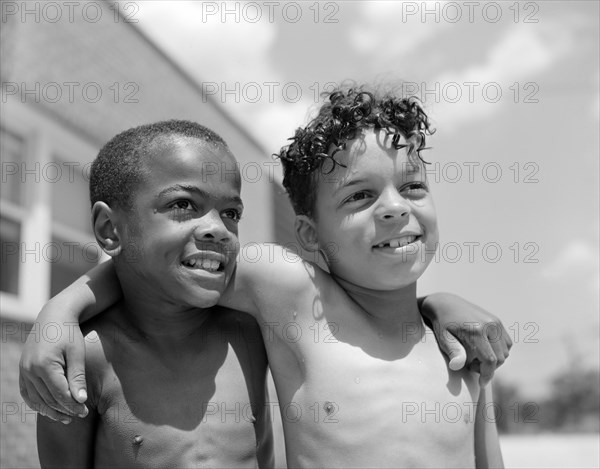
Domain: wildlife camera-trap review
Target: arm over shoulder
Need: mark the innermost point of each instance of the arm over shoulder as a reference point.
(73, 445)
(267, 275)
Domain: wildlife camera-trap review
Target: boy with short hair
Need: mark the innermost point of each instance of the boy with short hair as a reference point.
(165, 340)
(349, 347)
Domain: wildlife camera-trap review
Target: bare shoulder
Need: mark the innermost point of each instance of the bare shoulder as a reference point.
(272, 269)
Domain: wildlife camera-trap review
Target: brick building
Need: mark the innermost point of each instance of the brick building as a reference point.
(70, 83)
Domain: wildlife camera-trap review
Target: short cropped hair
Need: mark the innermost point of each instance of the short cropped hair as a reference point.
(117, 170)
(349, 110)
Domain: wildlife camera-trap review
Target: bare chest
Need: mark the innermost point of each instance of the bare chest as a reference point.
(363, 399)
(154, 414)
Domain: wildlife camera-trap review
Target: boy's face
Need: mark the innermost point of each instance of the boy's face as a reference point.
(182, 239)
(375, 218)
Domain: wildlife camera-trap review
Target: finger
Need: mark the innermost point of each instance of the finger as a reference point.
(52, 414)
(507, 340)
(76, 375)
(49, 403)
(498, 345)
(30, 394)
(487, 359)
(505, 336)
(501, 346)
(474, 365)
(56, 383)
(451, 347)
(35, 402)
(456, 353)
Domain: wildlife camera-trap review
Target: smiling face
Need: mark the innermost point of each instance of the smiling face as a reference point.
(181, 239)
(375, 218)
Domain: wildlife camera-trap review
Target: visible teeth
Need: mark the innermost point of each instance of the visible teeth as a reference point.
(205, 264)
(210, 265)
(400, 242)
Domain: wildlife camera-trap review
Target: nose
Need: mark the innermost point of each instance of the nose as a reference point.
(392, 206)
(210, 228)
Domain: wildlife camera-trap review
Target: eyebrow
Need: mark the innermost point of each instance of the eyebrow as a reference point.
(352, 182)
(196, 190)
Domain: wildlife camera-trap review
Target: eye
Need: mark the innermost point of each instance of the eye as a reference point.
(357, 197)
(416, 189)
(233, 213)
(181, 205)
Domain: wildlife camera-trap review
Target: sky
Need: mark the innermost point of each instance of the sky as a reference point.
(513, 91)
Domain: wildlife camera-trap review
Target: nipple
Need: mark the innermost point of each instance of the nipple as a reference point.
(137, 440)
(328, 407)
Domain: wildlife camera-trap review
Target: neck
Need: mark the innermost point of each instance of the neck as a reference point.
(156, 318)
(385, 308)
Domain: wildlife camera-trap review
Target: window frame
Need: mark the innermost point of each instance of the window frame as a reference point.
(44, 138)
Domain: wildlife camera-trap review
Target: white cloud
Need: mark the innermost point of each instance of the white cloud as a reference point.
(207, 46)
(522, 54)
(388, 30)
(224, 55)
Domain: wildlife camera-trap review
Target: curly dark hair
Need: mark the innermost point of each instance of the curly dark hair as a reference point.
(117, 170)
(349, 110)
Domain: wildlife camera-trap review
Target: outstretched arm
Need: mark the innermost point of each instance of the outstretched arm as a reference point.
(50, 373)
(456, 321)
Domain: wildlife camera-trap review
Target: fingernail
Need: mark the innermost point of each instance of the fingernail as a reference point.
(84, 413)
(65, 421)
(82, 394)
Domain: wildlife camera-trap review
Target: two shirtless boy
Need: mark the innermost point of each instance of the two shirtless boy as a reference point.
(176, 364)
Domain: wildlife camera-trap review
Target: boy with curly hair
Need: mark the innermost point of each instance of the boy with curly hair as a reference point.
(356, 179)
(360, 382)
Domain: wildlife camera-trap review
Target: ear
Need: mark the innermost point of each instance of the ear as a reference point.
(306, 233)
(104, 223)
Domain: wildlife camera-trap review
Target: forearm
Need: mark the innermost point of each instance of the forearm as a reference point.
(89, 295)
(434, 304)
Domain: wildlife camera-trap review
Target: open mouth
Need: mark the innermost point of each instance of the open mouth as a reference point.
(399, 242)
(209, 261)
(204, 264)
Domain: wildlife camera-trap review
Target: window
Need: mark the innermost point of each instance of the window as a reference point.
(12, 156)
(10, 235)
(12, 152)
(45, 228)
